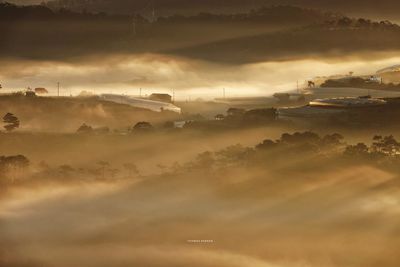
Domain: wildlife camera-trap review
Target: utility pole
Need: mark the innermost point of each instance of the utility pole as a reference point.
(153, 13)
(134, 26)
(140, 92)
(173, 95)
(224, 93)
(58, 89)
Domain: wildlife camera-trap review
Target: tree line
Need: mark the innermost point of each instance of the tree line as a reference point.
(300, 151)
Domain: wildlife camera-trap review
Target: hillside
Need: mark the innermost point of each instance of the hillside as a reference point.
(37, 32)
(273, 33)
(67, 114)
(344, 36)
(384, 9)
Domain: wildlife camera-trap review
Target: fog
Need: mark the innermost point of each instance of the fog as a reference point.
(94, 183)
(126, 74)
(286, 210)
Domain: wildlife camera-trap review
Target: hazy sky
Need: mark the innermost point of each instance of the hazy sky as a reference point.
(190, 78)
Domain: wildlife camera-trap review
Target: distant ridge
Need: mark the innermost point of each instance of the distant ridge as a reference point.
(394, 68)
(269, 33)
(388, 8)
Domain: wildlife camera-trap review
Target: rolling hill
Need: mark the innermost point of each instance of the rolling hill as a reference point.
(66, 114)
(273, 33)
(384, 9)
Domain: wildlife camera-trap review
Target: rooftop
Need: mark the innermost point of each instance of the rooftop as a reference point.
(343, 102)
(389, 69)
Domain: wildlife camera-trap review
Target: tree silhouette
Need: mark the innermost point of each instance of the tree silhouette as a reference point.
(267, 144)
(169, 125)
(84, 128)
(161, 167)
(233, 154)
(131, 168)
(359, 150)
(387, 145)
(12, 165)
(205, 160)
(66, 170)
(143, 126)
(332, 139)
(11, 122)
(103, 165)
(300, 138)
(114, 172)
(234, 112)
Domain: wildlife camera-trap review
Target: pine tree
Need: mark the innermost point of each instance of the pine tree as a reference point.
(11, 122)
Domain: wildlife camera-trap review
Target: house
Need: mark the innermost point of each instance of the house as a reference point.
(219, 117)
(373, 79)
(41, 91)
(234, 112)
(30, 93)
(161, 97)
(156, 106)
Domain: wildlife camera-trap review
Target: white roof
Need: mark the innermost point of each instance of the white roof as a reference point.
(306, 112)
(334, 92)
(394, 68)
(141, 103)
(347, 102)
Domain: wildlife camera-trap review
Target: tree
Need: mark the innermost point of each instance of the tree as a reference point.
(205, 160)
(13, 165)
(235, 112)
(103, 165)
(114, 172)
(84, 128)
(387, 145)
(264, 115)
(43, 166)
(11, 122)
(266, 145)
(161, 167)
(359, 150)
(131, 168)
(143, 127)
(66, 170)
(300, 138)
(233, 154)
(175, 167)
(332, 139)
(345, 22)
(169, 125)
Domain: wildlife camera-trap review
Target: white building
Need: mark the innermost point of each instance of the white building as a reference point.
(141, 103)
